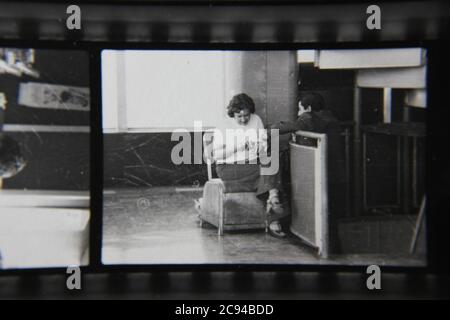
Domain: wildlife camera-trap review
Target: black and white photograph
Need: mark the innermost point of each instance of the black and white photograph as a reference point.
(44, 158)
(295, 157)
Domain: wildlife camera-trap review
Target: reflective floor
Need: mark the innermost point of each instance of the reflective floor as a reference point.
(160, 226)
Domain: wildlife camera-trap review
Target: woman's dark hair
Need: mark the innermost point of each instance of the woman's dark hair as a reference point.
(313, 100)
(240, 102)
(11, 158)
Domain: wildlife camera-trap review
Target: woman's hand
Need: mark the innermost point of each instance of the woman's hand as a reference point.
(223, 152)
(251, 145)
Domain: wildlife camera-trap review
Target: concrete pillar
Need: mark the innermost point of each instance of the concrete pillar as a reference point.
(269, 77)
(282, 89)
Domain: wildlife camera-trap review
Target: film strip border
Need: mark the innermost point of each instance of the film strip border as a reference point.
(24, 27)
(226, 285)
(312, 282)
(224, 23)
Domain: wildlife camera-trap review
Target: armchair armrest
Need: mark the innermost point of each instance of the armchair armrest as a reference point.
(208, 152)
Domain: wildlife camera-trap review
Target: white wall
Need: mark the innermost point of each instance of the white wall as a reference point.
(163, 90)
(109, 89)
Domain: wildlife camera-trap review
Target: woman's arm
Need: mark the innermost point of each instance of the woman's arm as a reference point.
(262, 139)
(223, 151)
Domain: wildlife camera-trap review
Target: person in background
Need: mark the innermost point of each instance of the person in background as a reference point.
(314, 116)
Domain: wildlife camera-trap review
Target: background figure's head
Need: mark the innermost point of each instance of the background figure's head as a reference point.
(240, 108)
(310, 101)
(11, 158)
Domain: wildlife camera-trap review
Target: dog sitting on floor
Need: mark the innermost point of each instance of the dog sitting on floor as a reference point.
(11, 158)
(198, 205)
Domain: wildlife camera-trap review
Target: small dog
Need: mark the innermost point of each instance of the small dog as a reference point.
(198, 205)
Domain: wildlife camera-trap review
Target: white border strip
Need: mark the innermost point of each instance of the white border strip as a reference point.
(44, 128)
(157, 130)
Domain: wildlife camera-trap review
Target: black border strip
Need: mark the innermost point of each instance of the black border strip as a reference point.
(96, 229)
(437, 260)
(437, 219)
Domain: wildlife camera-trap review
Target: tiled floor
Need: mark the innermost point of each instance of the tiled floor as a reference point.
(160, 226)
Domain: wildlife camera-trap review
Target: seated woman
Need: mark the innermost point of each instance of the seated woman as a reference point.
(237, 159)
